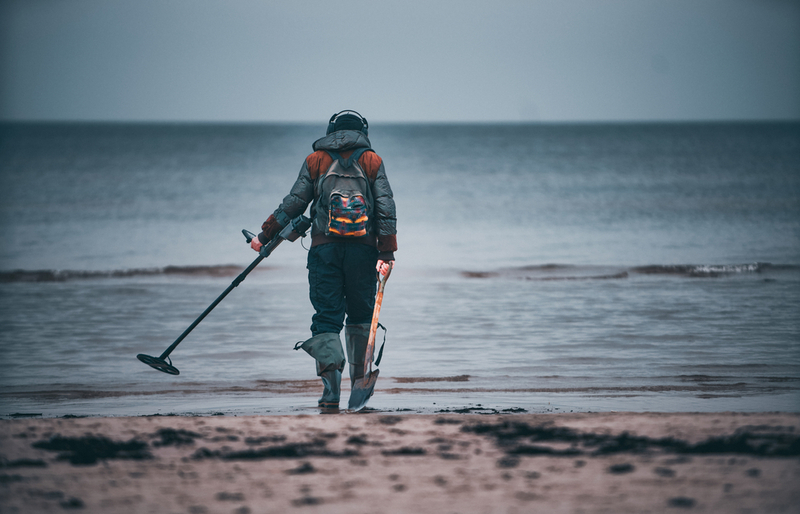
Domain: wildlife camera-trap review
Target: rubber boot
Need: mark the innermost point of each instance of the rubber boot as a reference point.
(356, 338)
(331, 382)
(326, 349)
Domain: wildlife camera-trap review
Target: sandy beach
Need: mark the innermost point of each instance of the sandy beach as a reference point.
(378, 462)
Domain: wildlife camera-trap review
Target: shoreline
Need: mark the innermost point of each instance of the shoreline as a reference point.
(354, 462)
(460, 394)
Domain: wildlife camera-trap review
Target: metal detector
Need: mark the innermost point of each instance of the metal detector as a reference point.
(297, 228)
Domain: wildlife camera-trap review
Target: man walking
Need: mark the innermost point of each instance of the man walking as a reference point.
(353, 232)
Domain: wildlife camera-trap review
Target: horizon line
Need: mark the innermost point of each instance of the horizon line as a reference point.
(631, 121)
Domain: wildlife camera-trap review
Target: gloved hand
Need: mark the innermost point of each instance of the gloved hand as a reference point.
(255, 244)
(383, 266)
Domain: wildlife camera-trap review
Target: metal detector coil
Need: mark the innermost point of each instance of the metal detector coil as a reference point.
(297, 228)
(159, 364)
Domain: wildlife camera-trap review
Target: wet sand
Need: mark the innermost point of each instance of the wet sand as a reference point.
(378, 462)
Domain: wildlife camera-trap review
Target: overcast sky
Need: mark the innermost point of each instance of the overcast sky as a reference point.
(258, 60)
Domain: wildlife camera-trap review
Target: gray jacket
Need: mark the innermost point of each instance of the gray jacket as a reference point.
(382, 227)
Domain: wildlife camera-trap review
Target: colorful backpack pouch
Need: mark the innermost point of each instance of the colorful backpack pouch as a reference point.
(347, 216)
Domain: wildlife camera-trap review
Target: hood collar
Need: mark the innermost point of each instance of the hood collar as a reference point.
(342, 140)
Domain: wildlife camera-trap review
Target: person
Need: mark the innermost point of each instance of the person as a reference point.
(353, 233)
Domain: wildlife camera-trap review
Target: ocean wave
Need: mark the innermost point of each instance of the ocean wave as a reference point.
(543, 272)
(64, 275)
(549, 272)
(703, 270)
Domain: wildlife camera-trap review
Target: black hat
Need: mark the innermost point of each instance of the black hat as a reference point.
(347, 120)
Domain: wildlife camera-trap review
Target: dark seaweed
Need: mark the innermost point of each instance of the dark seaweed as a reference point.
(359, 440)
(619, 469)
(72, 503)
(389, 420)
(89, 449)
(306, 500)
(508, 462)
(23, 463)
(316, 448)
(469, 410)
(230, 497)
(544, 450)
(257, 441)
(515, 438)
(405, 450)
(448, 421)
(681, 502)
(172, 437)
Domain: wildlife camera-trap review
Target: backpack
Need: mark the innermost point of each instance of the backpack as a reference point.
(344, 195)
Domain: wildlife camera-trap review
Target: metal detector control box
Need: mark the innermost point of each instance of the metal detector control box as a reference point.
(297, 228)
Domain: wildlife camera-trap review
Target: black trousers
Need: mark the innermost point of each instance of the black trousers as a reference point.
(342, 281)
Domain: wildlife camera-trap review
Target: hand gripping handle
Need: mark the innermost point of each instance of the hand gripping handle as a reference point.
(248, 236)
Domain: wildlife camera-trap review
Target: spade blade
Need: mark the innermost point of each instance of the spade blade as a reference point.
(362, 391)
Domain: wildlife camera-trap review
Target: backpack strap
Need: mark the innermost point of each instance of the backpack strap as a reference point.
(354, 157)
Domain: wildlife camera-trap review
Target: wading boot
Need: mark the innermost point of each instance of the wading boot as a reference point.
(356, 338)
(331, 381)
(326, 349)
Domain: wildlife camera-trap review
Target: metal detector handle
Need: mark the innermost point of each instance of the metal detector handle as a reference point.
(296, 228)
(248, 236)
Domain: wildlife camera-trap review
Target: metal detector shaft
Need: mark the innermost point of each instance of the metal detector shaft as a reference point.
(297, 228)
(272, 244)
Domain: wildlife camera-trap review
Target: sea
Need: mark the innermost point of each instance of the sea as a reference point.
(541, 268)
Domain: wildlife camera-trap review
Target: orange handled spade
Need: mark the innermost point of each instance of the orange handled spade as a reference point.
(365, 386)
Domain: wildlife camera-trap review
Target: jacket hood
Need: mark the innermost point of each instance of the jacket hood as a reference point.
(342, 140)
